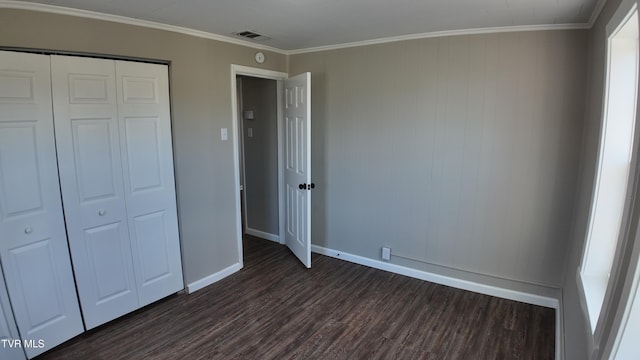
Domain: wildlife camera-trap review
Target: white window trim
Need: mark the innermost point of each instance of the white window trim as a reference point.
(591, 290)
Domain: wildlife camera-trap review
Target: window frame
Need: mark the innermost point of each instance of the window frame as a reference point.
(604, 323)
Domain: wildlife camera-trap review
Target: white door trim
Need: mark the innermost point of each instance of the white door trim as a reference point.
(265, 74)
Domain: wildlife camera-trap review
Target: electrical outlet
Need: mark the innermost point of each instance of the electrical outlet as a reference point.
(386, 253)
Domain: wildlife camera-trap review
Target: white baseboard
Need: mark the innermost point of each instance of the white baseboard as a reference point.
(262, 234)
(528, 298)
(208, 280)
(422, 275)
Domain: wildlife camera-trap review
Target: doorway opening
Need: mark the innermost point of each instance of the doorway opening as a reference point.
(293, 160)
(257, 135)
(257, 110)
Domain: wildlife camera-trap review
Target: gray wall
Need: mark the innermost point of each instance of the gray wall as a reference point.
(457, 151)
(460, 151)
(200, 78)
(576, 328)
(261, 154)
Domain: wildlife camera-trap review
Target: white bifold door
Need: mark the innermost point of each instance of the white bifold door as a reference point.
(33, 243)
(8, 330)
(113, 135)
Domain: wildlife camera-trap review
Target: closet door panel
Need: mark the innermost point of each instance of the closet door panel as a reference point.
(33, 244)
(8, 329)
(88, 141)
(144, 118)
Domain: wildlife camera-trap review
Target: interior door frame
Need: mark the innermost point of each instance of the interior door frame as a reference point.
(279, 76)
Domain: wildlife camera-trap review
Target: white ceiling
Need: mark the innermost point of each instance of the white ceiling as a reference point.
(302, 24)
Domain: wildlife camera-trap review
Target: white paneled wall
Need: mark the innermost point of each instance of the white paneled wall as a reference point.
(456, 151)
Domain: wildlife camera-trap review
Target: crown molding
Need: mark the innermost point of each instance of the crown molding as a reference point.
(435, 34)
(21, 5)
(596, 12)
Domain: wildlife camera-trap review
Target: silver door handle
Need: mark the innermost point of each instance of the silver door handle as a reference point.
(102, 212)
(28, 230)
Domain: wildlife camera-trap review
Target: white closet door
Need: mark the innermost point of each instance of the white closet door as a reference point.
(8, 329)
(145, 129)
(33, 243)
(88, 144)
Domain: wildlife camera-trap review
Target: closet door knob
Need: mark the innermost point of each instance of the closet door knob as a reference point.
(102, 212)
(28, 230)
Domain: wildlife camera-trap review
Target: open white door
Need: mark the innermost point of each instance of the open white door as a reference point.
(297, 170)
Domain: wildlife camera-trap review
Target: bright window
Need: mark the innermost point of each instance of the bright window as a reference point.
(614, 164)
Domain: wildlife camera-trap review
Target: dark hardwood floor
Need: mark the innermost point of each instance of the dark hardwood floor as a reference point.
(276, 309)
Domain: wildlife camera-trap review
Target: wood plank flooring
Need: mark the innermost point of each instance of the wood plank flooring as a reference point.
(276, 309)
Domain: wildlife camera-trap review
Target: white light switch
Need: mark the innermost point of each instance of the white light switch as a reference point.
(223, 134)
(250, 132)
(248, 114)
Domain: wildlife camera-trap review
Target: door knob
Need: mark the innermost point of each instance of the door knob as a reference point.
(102, 212)
(28, 230)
